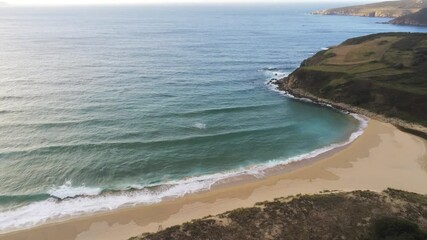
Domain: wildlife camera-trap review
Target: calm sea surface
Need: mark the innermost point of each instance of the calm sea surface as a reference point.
(102, 107)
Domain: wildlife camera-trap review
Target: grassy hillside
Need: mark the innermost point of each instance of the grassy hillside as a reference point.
(418, 19)
(365, 215)
(383, 73)
(391, 9)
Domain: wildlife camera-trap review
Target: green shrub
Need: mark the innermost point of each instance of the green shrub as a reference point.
(390, 228)
(329, 55)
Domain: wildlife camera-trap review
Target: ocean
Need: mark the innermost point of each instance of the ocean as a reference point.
(112, 106)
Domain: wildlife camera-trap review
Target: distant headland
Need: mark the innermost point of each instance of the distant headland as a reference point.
(406, 12)
(388, 9)
(418, 19)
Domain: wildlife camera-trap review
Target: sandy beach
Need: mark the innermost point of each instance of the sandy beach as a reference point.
(382, 157)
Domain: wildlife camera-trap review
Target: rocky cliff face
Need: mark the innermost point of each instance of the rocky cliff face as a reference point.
(364, 13)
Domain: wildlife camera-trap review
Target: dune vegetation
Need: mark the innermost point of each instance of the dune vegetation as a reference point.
(367, 215)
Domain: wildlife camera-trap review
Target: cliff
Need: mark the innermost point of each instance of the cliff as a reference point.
(417, 19)
(391, 214)
(382, 76)
(389, 9)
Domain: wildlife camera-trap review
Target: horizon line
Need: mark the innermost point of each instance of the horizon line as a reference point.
(183, 2)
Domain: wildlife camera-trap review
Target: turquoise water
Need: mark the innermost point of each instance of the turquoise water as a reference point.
(103, 107)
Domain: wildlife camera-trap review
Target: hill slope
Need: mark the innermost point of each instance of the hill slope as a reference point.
(389, 9)
(418, 19)
(365, 215)
(381, 75)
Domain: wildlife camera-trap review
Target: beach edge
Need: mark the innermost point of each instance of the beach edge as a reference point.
(381, 147)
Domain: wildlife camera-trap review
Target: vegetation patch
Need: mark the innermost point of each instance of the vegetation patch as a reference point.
(363, 215)
(395, 229)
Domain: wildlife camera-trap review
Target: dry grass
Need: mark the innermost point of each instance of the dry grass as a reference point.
(361, 53)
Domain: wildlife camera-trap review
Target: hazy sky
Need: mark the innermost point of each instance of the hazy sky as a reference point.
(79, 2)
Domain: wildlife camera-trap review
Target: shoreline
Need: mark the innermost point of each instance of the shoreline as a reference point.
(225, 179)
(400, 157)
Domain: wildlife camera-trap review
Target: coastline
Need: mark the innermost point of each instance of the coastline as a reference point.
(220, 180)
(413, 128)
(401, 159)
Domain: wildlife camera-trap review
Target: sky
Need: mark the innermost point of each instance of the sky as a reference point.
(92, 2)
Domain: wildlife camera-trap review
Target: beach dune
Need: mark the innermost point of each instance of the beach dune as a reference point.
(382, 157)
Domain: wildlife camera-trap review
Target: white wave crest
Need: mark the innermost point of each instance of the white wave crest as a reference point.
(200, 125)
(274, 73)
(68, 191)
(51, 209)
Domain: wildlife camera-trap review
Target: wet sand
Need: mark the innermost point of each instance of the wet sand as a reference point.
(382, 157)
